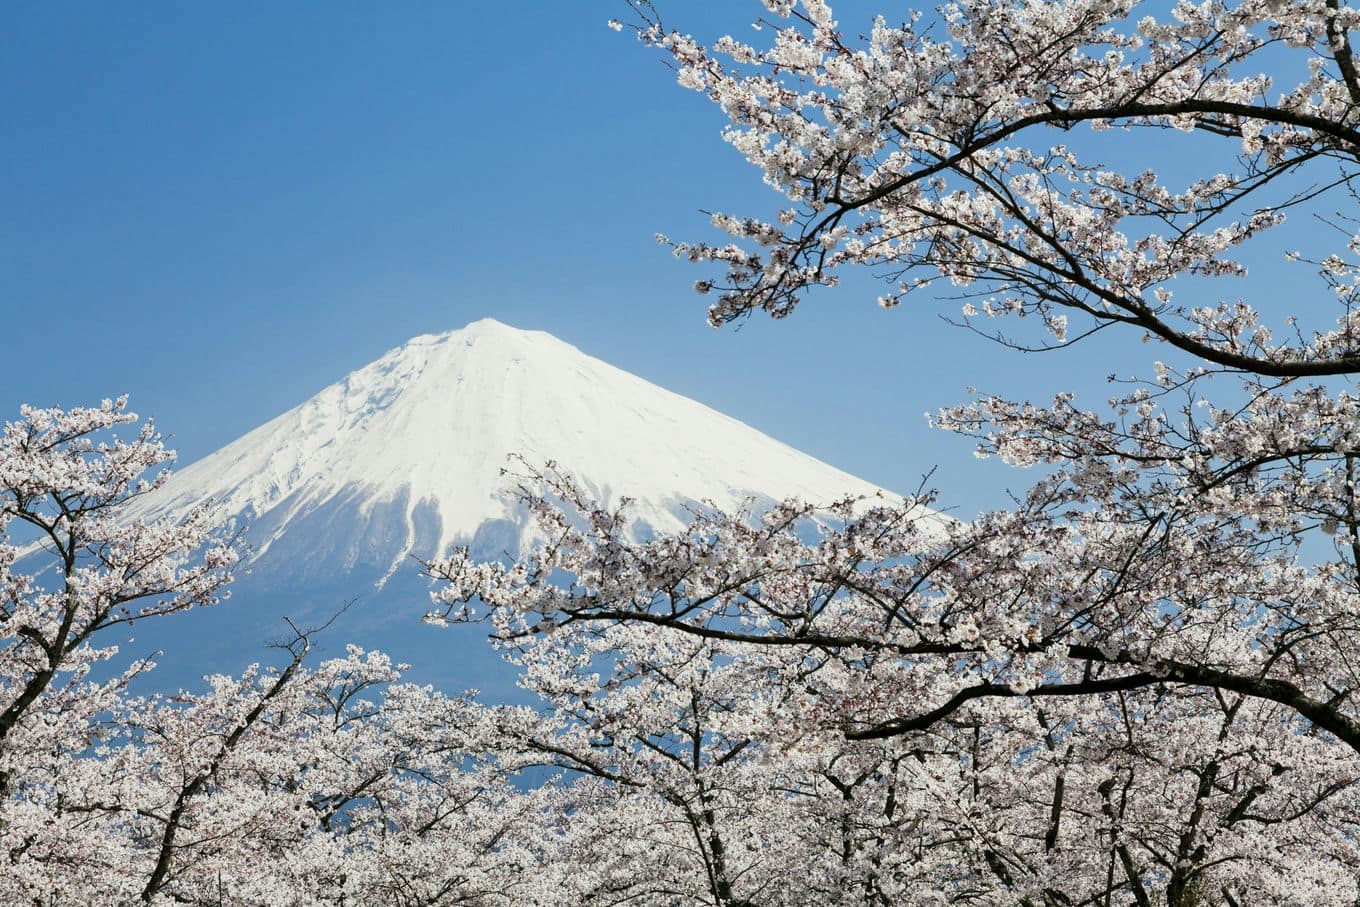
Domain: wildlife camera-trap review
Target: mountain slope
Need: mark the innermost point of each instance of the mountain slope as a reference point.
(413, 446)
(404, 458)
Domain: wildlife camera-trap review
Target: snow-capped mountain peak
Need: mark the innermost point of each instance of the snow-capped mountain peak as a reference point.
(406, 455)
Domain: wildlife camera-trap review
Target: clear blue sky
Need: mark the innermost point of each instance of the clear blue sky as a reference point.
(220, 209)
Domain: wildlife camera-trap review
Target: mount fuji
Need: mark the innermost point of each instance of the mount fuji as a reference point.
(405, 458)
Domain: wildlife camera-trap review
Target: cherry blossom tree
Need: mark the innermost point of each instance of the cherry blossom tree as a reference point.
(934, 159)
(285, 785)
(288, 785)
(1137, 684)
(62, 483)
(1028, 708)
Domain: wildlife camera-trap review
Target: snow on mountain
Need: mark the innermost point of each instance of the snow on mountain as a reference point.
(404, 457)
(412, 448)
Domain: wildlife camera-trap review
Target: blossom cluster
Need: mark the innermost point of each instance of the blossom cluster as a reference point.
(926, 152)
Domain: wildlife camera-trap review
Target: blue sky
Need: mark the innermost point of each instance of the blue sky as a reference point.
(221, 209)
